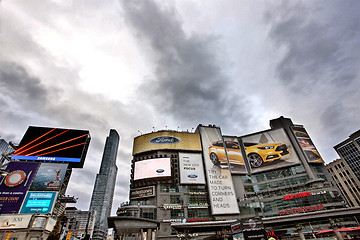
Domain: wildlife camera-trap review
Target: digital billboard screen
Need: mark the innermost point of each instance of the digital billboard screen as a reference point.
(14, 185)
(307, 145)
(52, 144)
(269, 150)
(152, 168)
(38, 202)
(49, 177)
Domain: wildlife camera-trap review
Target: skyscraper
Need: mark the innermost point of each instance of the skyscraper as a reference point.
(103, 192)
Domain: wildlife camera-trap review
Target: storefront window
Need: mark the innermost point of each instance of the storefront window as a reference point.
(177, 213)
(198, 213)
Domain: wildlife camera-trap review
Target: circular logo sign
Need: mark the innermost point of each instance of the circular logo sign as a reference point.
(192, 176)
(164, 140)
(160, 170)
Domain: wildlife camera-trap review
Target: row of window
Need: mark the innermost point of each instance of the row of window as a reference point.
(276, 184)
(184, 189)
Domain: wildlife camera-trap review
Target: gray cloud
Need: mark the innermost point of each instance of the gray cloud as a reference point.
(189, 81)
(319, 66)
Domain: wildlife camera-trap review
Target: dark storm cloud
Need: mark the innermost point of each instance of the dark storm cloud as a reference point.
(321, 43)
(188, 82)
(320, 63)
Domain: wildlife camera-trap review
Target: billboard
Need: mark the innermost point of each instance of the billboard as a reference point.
(167, 140)
(49, 177)
(38, 202)
(307, 145)
(269, 150)
(13, 221)
(14, 185)
(152, 168)
(219, 180)
(191, 168)
(53, 144)
(219, 154)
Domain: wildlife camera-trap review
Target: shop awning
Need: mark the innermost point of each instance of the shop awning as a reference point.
(325, 231)
(344, 229)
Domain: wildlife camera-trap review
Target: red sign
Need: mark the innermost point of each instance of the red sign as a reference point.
(301, 209)
(198, 219)
(297, 195)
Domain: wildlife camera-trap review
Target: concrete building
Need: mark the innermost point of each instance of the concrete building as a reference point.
(205, 185)
(349, 150)
(104, 187)
(346, 181)
(77, 222)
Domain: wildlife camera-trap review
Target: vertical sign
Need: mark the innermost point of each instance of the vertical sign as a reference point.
(191, 168)
(220, 185)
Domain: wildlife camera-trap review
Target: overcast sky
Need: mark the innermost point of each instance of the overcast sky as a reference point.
(134, 65)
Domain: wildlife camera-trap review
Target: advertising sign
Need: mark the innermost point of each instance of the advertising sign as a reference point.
(253, 228)
(153, 168)
(220, 185)
(13, 186)
(12, 221)
(191, 168)
(52, 144)
(142, 192)
(233, 152)
(38, 202)
(49, 177)
(269, 150)
(307, 145)
(167, 140)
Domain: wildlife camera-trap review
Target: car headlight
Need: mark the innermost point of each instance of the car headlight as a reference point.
(267, 147)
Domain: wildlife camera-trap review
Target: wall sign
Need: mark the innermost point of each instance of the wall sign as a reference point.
(302, 209)
(297, 195)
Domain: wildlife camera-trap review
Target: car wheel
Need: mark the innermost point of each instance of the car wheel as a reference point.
(255, 160)
(214, 159)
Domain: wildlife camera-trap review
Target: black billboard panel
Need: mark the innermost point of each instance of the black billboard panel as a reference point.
(53, 145)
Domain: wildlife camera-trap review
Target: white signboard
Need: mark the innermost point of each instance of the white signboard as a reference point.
(220, 185)
(152, 168)
(191, 168)
(12, 221)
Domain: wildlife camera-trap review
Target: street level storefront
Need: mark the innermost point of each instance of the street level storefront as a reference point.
(295, 226)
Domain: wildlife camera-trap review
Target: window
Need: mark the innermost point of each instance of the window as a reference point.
(177, 214)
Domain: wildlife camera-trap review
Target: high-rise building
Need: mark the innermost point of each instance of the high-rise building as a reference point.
(346, 181)
(104, 187)
(349, 150)
(205, 185)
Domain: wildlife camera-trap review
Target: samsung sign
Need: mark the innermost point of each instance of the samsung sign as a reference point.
(164, 140)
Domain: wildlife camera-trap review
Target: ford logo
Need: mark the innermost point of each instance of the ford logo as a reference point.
(192, 176)
(160, 170)
(164, 140)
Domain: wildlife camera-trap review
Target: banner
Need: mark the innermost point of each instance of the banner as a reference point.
(269, 150)
(14, 221)
(49, 177)
(152, 168)
(219, 180)
(191, 168)
(14, 185)
(303, 138)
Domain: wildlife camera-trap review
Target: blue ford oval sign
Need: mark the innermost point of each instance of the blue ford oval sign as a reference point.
(160, 170)
(164, 140)
(192, 176)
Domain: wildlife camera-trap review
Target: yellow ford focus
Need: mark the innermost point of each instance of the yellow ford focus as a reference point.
(257, 153)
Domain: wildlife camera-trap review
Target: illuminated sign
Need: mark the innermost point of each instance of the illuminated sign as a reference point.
(198, 219)
(142, 192)
(302, 209)
(297, 195)
(164, 140)
(152, 168)
(49, 177)
(172, 206)
(38, 202)
(52, 144)
(14, 186)
(198, 205)
(167, 140)
(13, 221)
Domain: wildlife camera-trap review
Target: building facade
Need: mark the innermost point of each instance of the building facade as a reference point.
(349, 150)
(103, 193)
(205, 185)
(77, 222)
(346, 181)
